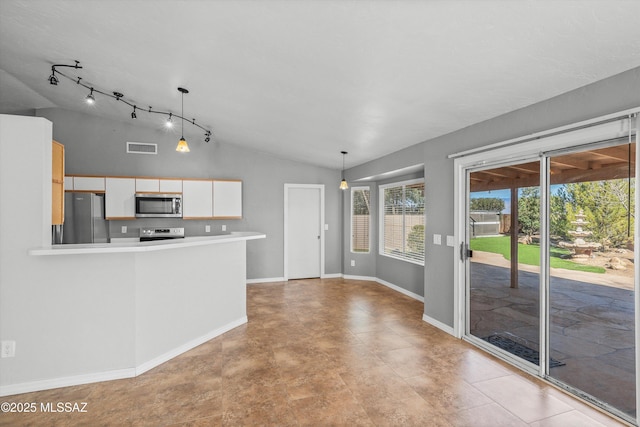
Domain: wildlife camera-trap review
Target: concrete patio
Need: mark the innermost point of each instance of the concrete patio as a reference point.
(592, 326)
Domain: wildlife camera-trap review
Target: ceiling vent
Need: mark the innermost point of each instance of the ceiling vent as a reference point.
(142, 148)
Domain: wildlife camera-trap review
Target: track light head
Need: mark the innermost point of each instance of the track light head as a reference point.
(133, 113)
(90, 99)
(118, 95)
(53, 79)
(169, 123)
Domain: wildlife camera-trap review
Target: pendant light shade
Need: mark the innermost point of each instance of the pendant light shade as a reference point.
(343, 183)
(182, 146)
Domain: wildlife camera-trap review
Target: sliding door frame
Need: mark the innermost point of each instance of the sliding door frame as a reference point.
(539, 146)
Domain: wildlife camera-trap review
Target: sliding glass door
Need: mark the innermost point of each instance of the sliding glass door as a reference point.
(591, 279)
(504, 253)
(548, 260)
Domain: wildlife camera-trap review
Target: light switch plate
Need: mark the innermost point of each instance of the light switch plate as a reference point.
(326, 227)
(437, 239)
(207, 229)
(224, 228)
(123, 229)
(451, 241)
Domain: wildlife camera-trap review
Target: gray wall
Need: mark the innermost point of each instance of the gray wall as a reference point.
(403, 274)
(96, 146)
(617, 93)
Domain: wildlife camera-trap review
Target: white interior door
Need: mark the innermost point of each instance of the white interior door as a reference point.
(304, 232)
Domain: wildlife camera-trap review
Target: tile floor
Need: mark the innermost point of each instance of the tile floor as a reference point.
(592, 328)
(323, 352)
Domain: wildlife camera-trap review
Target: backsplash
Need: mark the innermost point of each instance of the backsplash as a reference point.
(191, 227)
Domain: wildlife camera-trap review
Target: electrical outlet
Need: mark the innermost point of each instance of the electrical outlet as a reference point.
(224, 228)
(451, 241)
(207, 229)
(7, 349)
(437, 239)
(123, 229)
(353, 263)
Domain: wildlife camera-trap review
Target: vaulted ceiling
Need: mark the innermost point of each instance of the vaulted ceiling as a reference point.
(307, 79)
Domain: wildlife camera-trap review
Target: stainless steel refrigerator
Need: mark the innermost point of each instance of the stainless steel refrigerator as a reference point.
(84, 218)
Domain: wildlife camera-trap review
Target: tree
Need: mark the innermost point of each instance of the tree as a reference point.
(607, 209)
(415, 240)
(529, 210)
(361, 202)
(492, 204)
(559, 224)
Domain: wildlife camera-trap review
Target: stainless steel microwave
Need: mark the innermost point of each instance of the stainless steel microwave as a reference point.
(154, 205)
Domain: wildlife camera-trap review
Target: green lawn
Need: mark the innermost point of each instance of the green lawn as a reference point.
(529, 254)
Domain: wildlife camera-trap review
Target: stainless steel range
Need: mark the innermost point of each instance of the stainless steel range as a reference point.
(164, 233)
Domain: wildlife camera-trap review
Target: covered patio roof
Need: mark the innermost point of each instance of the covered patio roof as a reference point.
(613, 162)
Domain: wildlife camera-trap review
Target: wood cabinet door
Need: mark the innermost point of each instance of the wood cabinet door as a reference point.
(57, 183)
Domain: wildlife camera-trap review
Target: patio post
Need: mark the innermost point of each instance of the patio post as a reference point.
(514, 237)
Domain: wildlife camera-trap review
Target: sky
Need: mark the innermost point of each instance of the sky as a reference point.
(505, 195)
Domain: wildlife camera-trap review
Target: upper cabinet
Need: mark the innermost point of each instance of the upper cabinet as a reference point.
(201, 198)
(88, 183)
(57, 184)
(170, 185)
(145, 185)
(227, 199)
(197, 199)
(119, 198)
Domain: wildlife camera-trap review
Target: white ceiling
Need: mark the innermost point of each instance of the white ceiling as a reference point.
(307, 79)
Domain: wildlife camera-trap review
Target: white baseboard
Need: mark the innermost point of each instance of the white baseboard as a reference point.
(28, 387)
(332, 276)
(401, 290)
(368, 278)
(438, 324)
(265, 280)
(387, 284)
(141, 369)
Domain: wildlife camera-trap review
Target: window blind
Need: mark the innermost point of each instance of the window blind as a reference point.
(403, 221)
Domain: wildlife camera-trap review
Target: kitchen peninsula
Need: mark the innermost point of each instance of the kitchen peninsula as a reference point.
(94, 312)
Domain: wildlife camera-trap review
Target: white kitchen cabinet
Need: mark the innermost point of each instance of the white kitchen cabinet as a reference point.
(120, 198)
(68, 183)
(89, 183)
(197, 199)
(170, 185)
(146, 185)
(227, 199)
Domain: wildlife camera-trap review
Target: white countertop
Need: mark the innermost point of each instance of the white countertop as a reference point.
(156, 245)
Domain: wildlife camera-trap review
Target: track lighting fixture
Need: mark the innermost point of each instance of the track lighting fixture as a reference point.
(118, 96)
(182, 146)
(343, 183)
(90, 98)
(52, 78)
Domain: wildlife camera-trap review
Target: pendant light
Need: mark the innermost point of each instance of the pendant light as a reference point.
(343, 183)
(182, 146)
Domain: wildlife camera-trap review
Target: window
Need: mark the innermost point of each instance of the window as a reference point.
(402, 220)
(360, 219)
